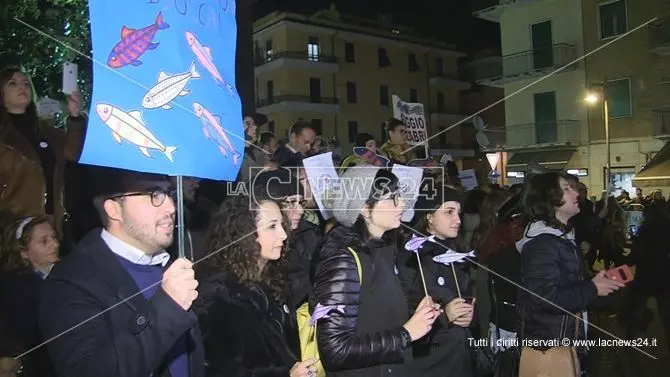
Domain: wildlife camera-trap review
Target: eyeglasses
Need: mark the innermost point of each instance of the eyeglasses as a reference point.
(395, 196)
(157, 196)
(294, 204)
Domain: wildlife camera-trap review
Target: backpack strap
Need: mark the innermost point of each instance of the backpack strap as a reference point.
(359, 267)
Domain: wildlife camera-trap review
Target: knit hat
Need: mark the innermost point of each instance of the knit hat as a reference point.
(433, 194)
(352, 192)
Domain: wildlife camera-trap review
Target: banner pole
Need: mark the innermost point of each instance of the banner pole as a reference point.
(180, 215)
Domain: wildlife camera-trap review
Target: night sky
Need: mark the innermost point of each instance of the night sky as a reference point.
(450, 21)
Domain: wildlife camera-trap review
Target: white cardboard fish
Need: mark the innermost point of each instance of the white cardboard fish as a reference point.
(452, 256)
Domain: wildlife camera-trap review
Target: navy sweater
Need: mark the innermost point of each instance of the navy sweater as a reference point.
(147, 278)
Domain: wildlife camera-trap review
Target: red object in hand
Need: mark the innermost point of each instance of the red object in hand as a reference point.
(622, 273)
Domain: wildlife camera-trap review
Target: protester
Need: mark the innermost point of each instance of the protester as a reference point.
(29, 252)
(372, 335)
(111, 306)
(248, 327)
(300, 144)
(33, 153)
(555, 295)
(445, 351)
(396, 148)
(363, 140)
(253, 161)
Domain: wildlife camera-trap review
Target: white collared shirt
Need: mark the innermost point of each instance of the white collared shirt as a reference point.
(133, 254)
(291, 148)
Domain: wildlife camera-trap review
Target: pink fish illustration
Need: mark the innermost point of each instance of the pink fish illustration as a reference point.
(204, 56)
(134, 43)
(211, 126)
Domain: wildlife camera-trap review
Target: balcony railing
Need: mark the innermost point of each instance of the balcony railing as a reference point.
(661, 122)
(659, 36)
(296, 98)
(559, 132)
(491, 9)
(522, 64)
(299, 55)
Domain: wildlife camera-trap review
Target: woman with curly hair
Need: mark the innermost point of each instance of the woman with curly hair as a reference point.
(247, 326)
(29, 252)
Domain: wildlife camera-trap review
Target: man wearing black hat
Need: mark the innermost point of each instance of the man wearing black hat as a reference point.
(111, 306)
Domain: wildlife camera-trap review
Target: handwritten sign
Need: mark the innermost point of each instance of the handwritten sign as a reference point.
(413, 116)
(323, 179)
(164, 98)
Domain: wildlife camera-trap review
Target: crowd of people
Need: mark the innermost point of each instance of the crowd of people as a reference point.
(114, 297)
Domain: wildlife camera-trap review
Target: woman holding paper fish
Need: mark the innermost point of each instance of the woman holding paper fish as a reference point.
(33, 152)
(368, 332)
(430, 267)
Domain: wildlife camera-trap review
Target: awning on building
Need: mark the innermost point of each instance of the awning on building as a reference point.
(657, 171)
(550, 159)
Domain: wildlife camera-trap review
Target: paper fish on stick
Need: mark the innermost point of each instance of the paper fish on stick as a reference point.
(415, 243)
(452, 256)
(324, 311)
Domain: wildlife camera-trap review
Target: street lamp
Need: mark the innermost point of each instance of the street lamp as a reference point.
(593, 98)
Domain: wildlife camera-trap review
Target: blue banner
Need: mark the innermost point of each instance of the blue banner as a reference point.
(164, 98)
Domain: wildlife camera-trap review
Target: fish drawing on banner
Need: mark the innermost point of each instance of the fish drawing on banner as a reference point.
(134, 43)
(131, 126)
(204, 56)
(168, 88)
(211, 126)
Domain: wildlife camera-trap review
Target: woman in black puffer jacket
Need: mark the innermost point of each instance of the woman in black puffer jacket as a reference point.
(371, 332)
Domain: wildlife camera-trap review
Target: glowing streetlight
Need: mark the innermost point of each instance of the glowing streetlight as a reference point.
(591, 98)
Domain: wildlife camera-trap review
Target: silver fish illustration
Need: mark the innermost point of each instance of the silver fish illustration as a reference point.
(168, 88)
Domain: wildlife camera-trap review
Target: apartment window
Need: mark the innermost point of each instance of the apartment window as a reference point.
(313, 50)
(412, 63)
(384, 95)
(612, 18)
(315, 90)
(439, 66)
(268, 50)
(271, 126)
(383, 58)
(351, 92)
(353, 130)
(349, 52)
(619, 98)
(441, 105)
(413, 95)
(317, 125)
(270, 90)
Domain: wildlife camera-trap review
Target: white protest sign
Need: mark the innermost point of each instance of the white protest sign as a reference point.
(468, 179)
(322, 179)
(413, 116)
(409, 182)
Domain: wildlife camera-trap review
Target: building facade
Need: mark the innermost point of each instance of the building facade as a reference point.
(550, 64)
(544, 85)
(636, 71)
(340, 73)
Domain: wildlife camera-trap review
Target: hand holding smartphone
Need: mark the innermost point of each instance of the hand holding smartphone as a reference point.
(70, 73)
(622, 273)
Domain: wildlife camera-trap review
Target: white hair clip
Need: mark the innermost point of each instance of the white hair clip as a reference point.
(22, 226)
